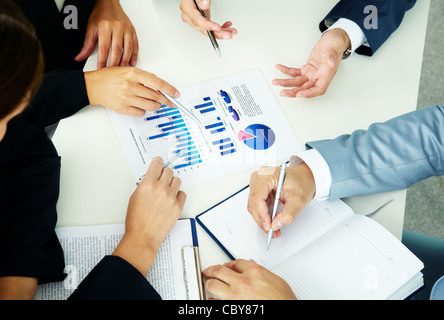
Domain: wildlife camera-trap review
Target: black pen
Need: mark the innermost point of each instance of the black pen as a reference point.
(210, 33)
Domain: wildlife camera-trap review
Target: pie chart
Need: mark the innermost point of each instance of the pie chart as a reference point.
(257, 137)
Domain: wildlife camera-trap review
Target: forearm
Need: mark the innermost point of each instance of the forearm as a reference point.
(17, 288)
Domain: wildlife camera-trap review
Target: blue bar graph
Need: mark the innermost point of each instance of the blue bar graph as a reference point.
(184, 139)
(217, 130)
(174, 127)
(167, 134)
(185, 144)
(192, 158)
(214, 125)
(182, 135)
(206, 98)
(172, 123)
(207, 110)
(203, 105)
(190, 153)
(226, 146)
(166, 109)
(188, 164)
(228, 152)
(182, 150)
(162, 115)
(221, 141)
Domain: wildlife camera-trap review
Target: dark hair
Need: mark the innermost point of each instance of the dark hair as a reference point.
(21, 58)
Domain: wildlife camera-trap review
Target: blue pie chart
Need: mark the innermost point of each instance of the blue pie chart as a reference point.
(263, 139)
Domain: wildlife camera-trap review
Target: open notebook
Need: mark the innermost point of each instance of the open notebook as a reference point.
(175, 274)
(328, 252)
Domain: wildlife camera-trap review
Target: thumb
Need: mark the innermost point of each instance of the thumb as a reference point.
(286, 216)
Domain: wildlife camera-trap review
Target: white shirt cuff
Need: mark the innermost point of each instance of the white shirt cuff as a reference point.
(321, 172)
(354, 32)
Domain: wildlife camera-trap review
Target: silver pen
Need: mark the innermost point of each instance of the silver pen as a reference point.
(181, 107)
(276, 200)
(210, 33)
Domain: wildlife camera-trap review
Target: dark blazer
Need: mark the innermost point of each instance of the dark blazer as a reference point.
(390, 15)
(60, 45)
(30, 168)
(29, 163)
(29, 180)
(114, 278)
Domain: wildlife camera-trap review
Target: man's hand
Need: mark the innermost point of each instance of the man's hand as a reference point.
(112, 29)
(315, 76)
(242, 279)
(153, 210)
(192, 16)
(128, 90)
(297, 191)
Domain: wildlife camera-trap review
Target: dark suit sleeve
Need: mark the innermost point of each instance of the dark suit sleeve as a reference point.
(390, 14)
(115, 279)
(61, 94)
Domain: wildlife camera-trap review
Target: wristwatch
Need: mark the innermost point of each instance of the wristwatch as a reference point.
(347, 53)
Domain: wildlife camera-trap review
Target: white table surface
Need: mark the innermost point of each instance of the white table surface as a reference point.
(96, 181)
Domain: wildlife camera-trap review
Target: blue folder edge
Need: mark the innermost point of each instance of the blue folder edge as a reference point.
(193, 231)
(209, 232)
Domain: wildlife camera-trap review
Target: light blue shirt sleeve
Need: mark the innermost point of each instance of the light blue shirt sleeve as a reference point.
(438, 290)
(388, 156)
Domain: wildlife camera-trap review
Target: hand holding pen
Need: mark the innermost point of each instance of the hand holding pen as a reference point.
(194, 17)
(298, 189)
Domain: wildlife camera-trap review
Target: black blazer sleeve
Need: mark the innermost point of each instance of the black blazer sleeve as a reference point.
(61, 94)
(390, 15)
(115, 279)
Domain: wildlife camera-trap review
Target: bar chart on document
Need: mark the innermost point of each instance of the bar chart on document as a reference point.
(240, 127)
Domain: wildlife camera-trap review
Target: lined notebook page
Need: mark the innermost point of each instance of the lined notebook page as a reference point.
(358, 260)
(234, 227)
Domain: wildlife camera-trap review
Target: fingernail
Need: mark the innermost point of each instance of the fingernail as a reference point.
(264, 226)
(203, 4)
(177, 94)
(276, 225)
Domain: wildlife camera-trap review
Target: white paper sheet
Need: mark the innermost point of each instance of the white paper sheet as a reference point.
(242, 127)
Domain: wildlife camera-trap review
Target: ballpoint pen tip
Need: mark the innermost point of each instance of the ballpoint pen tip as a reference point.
(219, 53)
